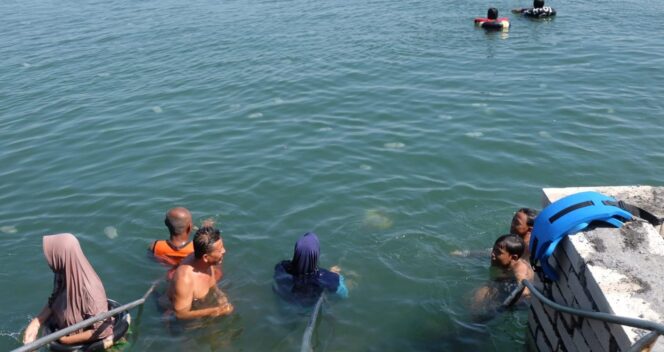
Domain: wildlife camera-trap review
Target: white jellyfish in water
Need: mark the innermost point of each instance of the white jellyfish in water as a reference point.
(8, 229)
(111, 232)
(394, 145)
(377, 219)
(544, 134)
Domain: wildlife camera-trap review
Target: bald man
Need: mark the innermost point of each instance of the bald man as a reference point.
(178, 246)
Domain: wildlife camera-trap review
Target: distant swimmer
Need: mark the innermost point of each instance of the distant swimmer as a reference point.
(492, 22)
(178, 246)
(78, 294)
(300, 280)
(537, 11)
(193, 291)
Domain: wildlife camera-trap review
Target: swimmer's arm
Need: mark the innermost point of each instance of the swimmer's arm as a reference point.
(32, 330)
(224, 307)
(184, 295)
(342, 290)
(75, 339)
(524, 272)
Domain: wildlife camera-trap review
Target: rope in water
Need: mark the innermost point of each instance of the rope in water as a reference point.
(308, 332)
(83, 324)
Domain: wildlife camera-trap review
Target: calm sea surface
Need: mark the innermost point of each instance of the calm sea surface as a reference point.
(394, 129)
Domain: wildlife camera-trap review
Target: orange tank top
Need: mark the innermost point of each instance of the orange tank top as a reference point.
(169, 253)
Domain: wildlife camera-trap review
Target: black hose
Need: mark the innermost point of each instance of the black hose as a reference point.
(514, 296)
(609, 318)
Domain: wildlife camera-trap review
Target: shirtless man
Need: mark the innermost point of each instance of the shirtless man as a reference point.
(195, 280)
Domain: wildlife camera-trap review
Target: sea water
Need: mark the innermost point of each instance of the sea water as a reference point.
(395, 130)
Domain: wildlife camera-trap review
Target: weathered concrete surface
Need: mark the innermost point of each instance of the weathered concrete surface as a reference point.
(627, 264)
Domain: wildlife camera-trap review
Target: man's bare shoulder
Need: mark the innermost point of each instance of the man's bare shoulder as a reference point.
(523, 270)
(183, 273)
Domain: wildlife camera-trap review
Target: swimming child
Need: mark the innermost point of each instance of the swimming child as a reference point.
(522, 225)
(492, 22)
(507, 259)
(507, 254)
(537, 11)
(300, 280)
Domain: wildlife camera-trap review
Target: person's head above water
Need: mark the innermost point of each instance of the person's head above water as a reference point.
(178, 221)
(208, 245)
(305, 255)
(538, 4)
(506, 249)
(492, 13)
(523, 221)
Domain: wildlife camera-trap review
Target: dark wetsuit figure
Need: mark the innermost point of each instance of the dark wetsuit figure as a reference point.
(301, 280)
(539, 12)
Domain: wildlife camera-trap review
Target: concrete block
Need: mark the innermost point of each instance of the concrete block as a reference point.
(580, 341)
(565, 337)
(596, 293)
(579, 294)
(572, 254)
(545, 318)
(619, 333)
(591, 339)
(600, 330)
(542, 343)
(530, 341)
(563, 264)
(556, 294)
(533, 323)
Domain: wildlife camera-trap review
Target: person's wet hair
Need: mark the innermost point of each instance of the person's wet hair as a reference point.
(538, 4)
(492, 14)
(531, 214)
(513, 244)
(204, 240)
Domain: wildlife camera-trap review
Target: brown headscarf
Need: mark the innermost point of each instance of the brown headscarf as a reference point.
(78, 293)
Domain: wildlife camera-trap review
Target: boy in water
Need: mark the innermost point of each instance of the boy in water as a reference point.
(522, 225)
(537, 11)
(506, 256)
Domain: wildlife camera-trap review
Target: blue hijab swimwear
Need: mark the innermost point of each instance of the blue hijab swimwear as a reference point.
(305, 256)
(300, 279)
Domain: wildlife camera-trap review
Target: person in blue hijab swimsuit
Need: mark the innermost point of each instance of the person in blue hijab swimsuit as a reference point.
(300, 280)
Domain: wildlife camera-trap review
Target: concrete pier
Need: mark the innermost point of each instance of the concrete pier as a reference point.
(610, 270)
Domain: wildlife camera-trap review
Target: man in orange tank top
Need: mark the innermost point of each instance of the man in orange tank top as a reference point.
(178, 246)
